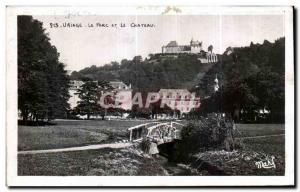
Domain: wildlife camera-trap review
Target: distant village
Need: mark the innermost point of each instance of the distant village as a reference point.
(181, 98)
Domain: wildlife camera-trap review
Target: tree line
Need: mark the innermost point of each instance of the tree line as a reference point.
(251, 78)
(151, 73)
(252, 81)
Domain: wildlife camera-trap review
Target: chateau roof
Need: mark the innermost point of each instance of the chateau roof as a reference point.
(195, 42)
(118, 85)
(172, 44)
(174, 90)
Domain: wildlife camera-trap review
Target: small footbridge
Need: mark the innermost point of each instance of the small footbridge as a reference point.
(160, 132)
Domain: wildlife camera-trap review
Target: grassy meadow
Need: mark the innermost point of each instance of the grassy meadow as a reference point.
(72, 133)
(127, 161)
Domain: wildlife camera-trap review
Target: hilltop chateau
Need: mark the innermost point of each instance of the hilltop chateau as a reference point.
(173, 47)
(195, 47)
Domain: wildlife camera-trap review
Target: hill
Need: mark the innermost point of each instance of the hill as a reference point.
(151, 74)
(186, 70)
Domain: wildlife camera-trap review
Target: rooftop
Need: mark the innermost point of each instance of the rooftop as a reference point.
(119, 85)
(172, 44)
(174, 90)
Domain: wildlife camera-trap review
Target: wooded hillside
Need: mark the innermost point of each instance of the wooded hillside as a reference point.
(150, 74)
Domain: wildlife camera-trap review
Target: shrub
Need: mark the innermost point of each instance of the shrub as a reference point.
(206, 134)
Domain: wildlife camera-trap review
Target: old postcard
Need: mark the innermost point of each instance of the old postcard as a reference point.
(150, 96)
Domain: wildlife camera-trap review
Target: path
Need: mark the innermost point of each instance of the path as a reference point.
(261, 136)
(110, 145)
(88, 147)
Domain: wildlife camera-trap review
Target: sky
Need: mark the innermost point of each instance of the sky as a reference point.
(85, 46)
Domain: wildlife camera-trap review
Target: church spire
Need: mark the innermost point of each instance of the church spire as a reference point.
(216, 84)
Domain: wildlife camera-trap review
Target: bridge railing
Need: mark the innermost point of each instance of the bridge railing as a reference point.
(165, 131)
(135, 132)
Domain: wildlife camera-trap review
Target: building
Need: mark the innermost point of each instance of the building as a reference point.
(210, 55)
(195, 47)
(123, 94)
(74, 86)
(173, 47)
(119, 85)
(179, 99)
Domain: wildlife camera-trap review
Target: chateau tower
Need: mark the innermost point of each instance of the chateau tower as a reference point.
(196, 46)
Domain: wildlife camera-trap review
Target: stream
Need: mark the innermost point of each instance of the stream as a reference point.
(173, 169)
(192, 165)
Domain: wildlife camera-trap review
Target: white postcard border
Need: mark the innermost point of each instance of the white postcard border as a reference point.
(11, 98)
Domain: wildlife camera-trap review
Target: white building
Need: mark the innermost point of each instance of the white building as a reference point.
(195, 47)
(173, 47)
(123, 94)
(179, 99)
(74, 86)
(210, 55)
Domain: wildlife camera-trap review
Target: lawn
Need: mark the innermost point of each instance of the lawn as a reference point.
(101, 162)
(255, 148)
(129, 161)
(272, 144)
(250, 130)
(72, 133)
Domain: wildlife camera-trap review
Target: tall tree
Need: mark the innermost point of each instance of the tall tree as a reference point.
(42, 80)
(88, 93)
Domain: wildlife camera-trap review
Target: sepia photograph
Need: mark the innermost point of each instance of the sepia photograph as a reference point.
(151, 91)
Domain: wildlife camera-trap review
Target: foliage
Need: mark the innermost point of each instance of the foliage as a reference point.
(88, 94)
(251, 81)
(42, 80)
(213, 133)
(151, 74)
(208, 133)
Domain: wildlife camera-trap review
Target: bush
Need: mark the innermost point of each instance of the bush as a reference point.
(207, 134)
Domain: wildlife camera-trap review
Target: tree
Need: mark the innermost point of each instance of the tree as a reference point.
(252, 80)
(88, 93)
(268, 86)
(149, 75)
(42, 80)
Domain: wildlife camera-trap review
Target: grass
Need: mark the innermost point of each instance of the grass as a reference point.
(251, 130)
(72, 133)
(252, 148)
(125, 161)
(272, 145)
(264, 146)
(102, 162)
